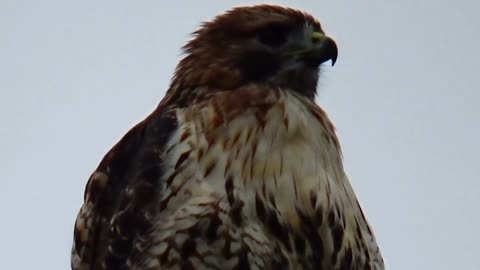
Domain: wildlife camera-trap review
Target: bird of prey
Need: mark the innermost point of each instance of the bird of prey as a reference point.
(237, 168)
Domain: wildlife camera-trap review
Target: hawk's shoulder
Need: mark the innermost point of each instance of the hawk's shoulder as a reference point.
(118, 192)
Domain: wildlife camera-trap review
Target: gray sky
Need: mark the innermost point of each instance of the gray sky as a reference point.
(76, 75)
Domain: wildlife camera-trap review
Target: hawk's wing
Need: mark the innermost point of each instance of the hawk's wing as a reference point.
(119, 193)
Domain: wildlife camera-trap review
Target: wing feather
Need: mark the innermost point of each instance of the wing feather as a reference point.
(119, 195)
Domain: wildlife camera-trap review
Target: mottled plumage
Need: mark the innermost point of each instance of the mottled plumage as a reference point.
(237, 168)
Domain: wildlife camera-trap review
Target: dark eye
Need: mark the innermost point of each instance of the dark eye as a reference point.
(273, 36)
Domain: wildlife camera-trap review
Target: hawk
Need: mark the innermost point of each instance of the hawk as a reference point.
(237, 168)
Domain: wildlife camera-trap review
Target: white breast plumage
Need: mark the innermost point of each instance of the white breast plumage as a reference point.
(280, 155)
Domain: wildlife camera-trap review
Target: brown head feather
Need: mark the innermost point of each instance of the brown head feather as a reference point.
(216, 56)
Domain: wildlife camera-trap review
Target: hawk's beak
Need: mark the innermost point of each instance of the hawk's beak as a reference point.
(318, 49)
(324, 49)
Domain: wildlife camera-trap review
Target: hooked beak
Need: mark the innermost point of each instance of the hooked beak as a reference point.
(319, 49)
(324, 49)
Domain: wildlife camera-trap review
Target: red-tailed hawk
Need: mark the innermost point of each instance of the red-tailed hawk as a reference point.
(237, 168)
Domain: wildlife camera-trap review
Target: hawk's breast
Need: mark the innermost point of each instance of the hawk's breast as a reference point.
(271, 170)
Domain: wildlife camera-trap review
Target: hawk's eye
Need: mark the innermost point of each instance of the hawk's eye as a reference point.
(273, 35)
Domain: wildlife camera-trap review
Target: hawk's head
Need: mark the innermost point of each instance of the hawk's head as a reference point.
(265, 44)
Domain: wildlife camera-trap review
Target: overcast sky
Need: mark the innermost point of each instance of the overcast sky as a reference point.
(76, 75)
